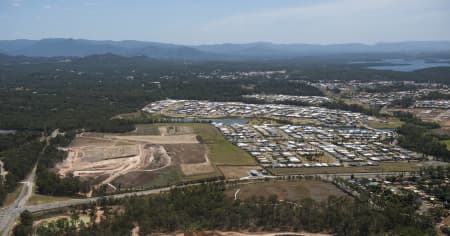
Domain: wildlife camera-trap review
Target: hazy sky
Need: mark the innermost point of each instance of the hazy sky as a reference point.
(234, 21)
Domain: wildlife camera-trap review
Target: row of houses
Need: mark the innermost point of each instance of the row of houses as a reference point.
(314, 146)
(206, 109)
(273, 98)
(435, 104)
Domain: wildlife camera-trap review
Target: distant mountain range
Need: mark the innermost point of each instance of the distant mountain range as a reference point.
(260, 50)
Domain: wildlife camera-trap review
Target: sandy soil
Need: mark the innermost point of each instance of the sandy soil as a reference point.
(135, 230)
(288, 190)
(187, 153)
(197, 168)
(102, 157)
(98, 216)
(155, 139)
(175, 130)
(233, 233)
(234, 172)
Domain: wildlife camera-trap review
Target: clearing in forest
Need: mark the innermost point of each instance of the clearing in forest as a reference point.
(135, 159)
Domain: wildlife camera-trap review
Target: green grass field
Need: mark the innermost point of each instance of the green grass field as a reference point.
(37, 199)
(349, 101)
(447, 142)
(221, 152)
(390, 123)
(383, 167)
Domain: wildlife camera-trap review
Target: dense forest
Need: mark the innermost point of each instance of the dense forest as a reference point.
(42, 94)
(417, 135)
(48, 182)
(207, 208)
(18, 161)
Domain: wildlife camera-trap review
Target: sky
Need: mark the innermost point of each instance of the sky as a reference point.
(194, 22)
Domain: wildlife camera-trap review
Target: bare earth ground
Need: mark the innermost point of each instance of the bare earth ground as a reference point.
(440, 116)
(234, 233)
(175, 130)
(192, 157)
(235, 172)
(288, 190)
(133, 160)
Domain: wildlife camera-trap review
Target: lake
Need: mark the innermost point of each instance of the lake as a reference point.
(407, 65)
(5, 131)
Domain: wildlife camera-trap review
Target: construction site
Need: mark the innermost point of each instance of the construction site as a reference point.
(141, 158)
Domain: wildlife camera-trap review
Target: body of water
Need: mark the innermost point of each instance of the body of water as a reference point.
(5, 131)
(407, 65)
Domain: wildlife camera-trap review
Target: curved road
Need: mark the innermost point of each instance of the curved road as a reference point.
(74, 202)
(9, 215)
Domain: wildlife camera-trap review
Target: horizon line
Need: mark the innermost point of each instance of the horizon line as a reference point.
(235, 43)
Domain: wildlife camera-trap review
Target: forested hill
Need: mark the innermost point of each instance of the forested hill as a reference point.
(74, 92)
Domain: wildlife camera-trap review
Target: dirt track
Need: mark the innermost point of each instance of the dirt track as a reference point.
(102, 158)
(154, 139)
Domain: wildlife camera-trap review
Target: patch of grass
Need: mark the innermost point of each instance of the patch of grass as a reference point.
(147, 129)
(216, 173)
(12, 196)
(220, 151)
(287, 190)
(165, 177)
(390, 123)
(447, 142)
(44, 222)
(234, 172)
(351, 102)
(37, 199)
(383, 167)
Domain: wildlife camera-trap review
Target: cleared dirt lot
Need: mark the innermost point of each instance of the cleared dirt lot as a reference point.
(155, 139)
(234, 233)
(135, 160)
(440, 116)
(235, 172)
(288, 190)
(193, 158)
(170, 130)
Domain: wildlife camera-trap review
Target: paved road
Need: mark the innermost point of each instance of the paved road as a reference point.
(74, 202)
(9, 214)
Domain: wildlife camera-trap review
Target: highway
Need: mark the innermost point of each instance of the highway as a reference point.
(9, 214)
(74, 202)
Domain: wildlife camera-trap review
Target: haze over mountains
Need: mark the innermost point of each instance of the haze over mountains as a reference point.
(258, 50)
